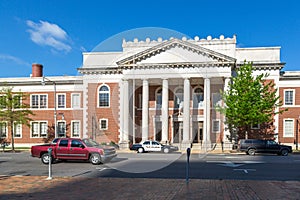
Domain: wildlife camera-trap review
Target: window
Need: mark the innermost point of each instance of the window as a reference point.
(61, 101)
(61, 129)
(75, 100)
(39, 129)
(63, 143)
(288, 97)
(216, 98)
(178, 99)
(3, 129)
(17, 129)
(198, 98)
(159, 98)
(104, 96)
(288, 128)
(103, 124)
(2, 102)
(75, 128)
(17, 101)
(76, 143)
(216, 126)
(255, 126)
(38, 101)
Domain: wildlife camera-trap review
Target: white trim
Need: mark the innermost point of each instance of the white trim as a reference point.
(6, 129)
(79, 96)
(286, 90)
(106, 124)
(65, 103)
(219, 125)
(39, 131)
(19, 124)
(72, 133)
(293, 128)
(39, 103)
(98, 93)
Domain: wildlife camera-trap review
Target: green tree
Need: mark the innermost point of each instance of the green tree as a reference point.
(13, 110)
(249, 100)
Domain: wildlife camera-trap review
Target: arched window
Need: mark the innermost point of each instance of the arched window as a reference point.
(158, 98)
(198, 98)
(178, 99)
(104, 96)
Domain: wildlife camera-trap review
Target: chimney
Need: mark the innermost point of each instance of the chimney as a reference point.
(37, 70)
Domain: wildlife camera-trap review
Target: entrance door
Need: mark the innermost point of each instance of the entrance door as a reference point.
(178, 130)
(198, 132)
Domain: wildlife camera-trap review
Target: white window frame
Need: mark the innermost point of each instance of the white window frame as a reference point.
(64, 101)
(100, 124)
(78, 100)
(39, 133)
(39, 101)
(65, 128)
(72, 128)
(293, 98)
(292, 128)
(218, 121)
(19, 129)
(6, 129)
(103, 92)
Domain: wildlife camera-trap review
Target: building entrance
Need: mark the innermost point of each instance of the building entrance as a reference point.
(178, 132)
(198, 132)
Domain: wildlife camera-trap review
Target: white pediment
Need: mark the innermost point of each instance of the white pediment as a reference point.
(175, 51)
(177, 55)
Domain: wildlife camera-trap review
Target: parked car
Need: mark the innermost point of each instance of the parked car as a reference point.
(252, 146)
(74, 149)
(152, 146)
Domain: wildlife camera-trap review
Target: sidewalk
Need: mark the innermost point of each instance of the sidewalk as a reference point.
(35, 187)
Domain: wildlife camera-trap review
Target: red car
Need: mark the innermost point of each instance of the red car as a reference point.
(74, 149)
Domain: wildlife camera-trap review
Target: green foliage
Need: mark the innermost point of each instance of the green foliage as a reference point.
(13, 109)
(249, 100)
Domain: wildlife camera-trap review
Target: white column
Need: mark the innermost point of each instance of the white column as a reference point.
(145, 113)
(165, 110)
(121, 103)
(186, 111)
(126, 111)
(206, 135)
(226, 131)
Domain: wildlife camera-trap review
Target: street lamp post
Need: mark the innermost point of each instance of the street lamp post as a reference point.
(55, 111)
(297, 133)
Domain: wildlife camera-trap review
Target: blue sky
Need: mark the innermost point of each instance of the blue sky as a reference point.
(55, 33)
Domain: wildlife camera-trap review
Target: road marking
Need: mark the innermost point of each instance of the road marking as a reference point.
(230, 164)
(245, 170)
(101, 169)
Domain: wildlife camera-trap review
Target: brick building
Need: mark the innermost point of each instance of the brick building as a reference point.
(164, 90)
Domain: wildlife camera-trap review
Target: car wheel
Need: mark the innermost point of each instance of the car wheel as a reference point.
(140, 150)
(251, 152)
(166, 150)
(95, 159)
(284, 152)
(45, 158)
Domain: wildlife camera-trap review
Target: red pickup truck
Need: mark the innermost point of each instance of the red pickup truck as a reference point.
(74, 149)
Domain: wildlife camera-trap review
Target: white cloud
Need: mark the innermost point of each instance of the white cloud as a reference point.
(47, 34)
(5, 57)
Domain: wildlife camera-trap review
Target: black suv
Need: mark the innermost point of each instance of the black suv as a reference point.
(252, 146)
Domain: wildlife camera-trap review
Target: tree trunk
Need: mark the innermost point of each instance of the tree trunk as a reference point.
(12, 137)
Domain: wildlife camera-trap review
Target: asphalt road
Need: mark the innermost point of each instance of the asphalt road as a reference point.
(159, 165)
